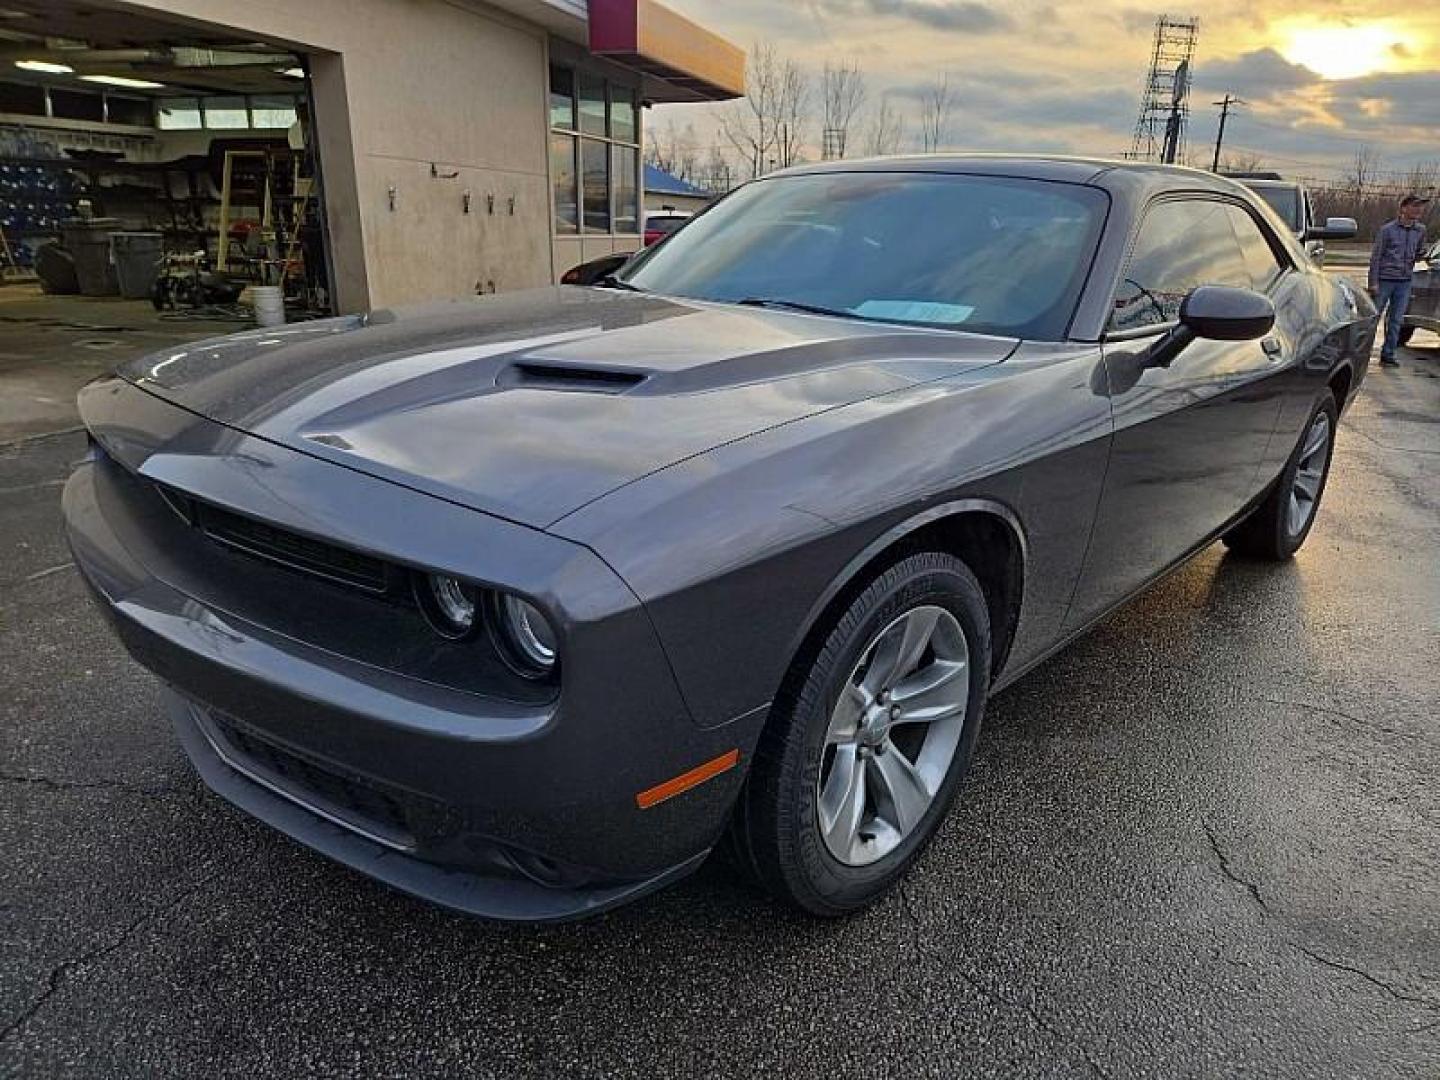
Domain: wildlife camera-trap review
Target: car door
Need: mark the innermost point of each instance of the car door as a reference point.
(1189, 439)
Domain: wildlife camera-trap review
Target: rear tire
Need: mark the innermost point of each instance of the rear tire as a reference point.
(868, 740)
(1276, 528)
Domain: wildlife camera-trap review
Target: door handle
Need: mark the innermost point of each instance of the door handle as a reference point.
(1272, 347)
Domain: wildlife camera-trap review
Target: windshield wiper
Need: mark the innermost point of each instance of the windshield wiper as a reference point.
(796, 305)
(610, 281)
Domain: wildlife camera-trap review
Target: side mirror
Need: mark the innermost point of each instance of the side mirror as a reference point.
(1222, 313)
(1217, 313)
(1335, 228)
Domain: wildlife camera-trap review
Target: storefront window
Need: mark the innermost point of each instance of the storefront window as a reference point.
(627, 192)
(595, 167)
(562, 98)
(622, 114)
(562, 178)
(595, 157)
(592, 105)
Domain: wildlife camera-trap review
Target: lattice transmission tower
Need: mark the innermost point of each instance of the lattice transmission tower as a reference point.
(1165, 101)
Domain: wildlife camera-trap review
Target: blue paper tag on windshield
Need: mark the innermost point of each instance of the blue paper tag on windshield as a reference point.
(918, 311)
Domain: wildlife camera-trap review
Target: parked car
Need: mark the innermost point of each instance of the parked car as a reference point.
(660, 224)
(1424, 310)
(1290, 199)
(522, 603)
(595, 271)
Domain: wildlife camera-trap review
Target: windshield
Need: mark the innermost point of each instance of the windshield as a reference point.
(1284, 201)
(993, 254)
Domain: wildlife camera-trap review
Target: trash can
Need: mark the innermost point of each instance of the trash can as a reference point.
(136, 257)
(88, 240)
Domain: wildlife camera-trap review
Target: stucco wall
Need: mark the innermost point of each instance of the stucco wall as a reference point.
(407, 93)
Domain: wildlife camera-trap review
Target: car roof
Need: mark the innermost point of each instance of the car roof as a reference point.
(1268, 183)
(1099, 171)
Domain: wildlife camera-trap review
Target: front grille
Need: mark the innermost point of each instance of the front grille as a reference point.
(360, 805)
(290, 549)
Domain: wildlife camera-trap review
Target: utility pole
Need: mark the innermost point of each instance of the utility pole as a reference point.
(1220, 135)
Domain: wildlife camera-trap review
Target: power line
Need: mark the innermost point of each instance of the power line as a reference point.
(1220, 135)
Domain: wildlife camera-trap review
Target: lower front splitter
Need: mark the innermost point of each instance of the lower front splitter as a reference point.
(502, 898)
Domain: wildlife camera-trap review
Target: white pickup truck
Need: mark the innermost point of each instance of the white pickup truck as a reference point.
(1291, 200)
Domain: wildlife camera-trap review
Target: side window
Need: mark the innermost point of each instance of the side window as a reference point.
(1260, 257)
(1182, 244)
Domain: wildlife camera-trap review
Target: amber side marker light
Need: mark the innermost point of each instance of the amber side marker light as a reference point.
(687, 780)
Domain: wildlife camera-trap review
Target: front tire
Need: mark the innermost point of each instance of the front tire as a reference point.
(869, 739)
(1276, 528)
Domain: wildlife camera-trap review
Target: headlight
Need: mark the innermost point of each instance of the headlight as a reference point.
(525, 637)
(451, 606)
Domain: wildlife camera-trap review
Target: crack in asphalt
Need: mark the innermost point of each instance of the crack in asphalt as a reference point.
(53, 784)
(1254, 891)
(1327, 711)
(1386, 446)
(56, 976)
(908, 910)
(20, 488)
(1399, 995)
(38, 574)
(26, 440)
(1226, 869)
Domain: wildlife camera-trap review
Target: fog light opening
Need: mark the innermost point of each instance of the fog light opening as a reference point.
(450, 606)
(524, 637)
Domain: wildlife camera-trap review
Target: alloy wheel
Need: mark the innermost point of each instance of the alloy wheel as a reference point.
(1309, 475)
(893, 735)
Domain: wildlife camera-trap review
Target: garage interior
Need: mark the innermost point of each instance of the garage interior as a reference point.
(153, 172)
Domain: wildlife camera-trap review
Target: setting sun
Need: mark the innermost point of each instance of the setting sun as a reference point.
(1342, 52)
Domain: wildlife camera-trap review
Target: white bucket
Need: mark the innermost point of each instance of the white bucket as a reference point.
(269, 303)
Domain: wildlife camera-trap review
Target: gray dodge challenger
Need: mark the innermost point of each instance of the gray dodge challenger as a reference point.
(524, 604)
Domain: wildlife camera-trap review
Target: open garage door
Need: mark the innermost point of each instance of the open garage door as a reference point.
(160, 170)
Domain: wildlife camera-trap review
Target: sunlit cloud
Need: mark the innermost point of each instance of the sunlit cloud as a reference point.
(1344, 50)
(1319, 78)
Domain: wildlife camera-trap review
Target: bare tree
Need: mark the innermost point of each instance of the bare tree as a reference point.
(717, 176)
(842, 90)
(675, 151)
(1423, 178)
(1241, 161)
(935, 109)
(793, 106)
(1363, 169)
(886, 130)
(766, 127)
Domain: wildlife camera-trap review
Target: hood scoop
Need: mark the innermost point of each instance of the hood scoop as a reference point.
(575, 379)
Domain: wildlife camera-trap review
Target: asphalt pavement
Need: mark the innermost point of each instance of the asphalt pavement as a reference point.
(1203, 841)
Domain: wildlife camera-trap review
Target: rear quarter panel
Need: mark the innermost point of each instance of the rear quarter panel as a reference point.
(1329, 324)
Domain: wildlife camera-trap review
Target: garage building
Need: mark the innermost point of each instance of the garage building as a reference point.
(360, 153)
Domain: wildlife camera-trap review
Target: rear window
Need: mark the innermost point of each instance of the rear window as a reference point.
(664, 224)
(1285, 201)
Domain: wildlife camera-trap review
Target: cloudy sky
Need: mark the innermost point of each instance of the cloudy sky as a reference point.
(1322, 79)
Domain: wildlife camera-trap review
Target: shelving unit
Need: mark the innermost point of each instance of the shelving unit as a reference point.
(93, 179)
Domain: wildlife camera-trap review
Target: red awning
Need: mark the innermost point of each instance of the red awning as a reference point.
(684, 61)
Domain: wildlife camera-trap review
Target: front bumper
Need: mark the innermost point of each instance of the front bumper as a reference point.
(499, 894)
(514, 811)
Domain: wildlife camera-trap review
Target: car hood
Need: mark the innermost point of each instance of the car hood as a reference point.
(532, 404)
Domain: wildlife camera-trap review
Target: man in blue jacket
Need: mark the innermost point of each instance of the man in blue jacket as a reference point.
(1398, 245)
